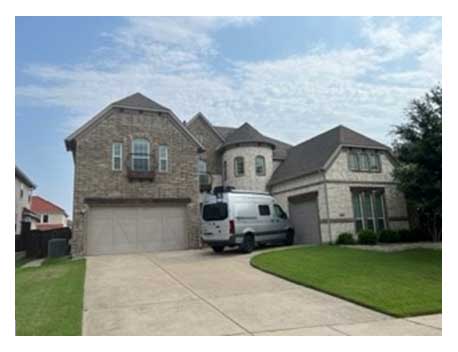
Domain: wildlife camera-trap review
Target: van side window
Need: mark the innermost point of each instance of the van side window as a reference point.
(279, 212)
(264, 210)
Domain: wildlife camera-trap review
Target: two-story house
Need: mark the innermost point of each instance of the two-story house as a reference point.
(51, 216)
(140, 174)
(23, 199)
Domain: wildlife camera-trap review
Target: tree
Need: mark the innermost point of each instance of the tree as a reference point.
(418, 146)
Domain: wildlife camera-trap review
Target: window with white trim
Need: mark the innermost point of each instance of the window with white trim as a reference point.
(163, 158)
(140, 155)
(116, 157)
(202, 167)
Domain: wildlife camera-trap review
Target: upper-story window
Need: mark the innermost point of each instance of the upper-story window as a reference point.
(163, 158)
(140, 155)
(224, 170)
(116, 157)
(364, 160)
(45, 218)
(260, 165)
(239, 166)
(202, 167)
(21, 192)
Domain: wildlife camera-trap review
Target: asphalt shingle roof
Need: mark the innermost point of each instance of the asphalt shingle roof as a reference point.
(138, 100)
(281, 148)
(312, 155)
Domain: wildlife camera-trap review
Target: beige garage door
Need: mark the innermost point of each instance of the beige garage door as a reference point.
(135, 229)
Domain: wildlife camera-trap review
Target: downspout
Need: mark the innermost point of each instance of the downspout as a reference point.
(327, 204)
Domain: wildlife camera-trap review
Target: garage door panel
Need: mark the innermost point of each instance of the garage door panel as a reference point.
(149, 229)
(136, 229)
(305, 220)
(173, 236)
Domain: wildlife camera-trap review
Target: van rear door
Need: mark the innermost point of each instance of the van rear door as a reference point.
(215, 221)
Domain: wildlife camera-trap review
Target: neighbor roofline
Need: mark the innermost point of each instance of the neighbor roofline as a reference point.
(24, 178)
(53, 204)
(224, 146)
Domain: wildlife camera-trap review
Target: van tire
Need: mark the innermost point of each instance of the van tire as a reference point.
(218, 249)
(289, 237)
(248, 244)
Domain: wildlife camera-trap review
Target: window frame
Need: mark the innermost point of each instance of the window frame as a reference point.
(263, 159)
(114, 156)
(45, 216)
(364, 218)
(161, 158)
(357, 158)
(141, 156)
(236, 159)
(202, 170)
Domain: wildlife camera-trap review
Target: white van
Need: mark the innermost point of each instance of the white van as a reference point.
(243, 219)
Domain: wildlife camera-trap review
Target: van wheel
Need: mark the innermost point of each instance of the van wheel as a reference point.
(289, 238)
(248, 244)
(218, 249)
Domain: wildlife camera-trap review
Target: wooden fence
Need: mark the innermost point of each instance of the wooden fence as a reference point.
(35, 242)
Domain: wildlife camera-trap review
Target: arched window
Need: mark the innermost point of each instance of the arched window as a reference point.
(260, 165)
(140, 155)
(239, 167)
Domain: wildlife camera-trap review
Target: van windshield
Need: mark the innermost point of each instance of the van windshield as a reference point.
(215, 212)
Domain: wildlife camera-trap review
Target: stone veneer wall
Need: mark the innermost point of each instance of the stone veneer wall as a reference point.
(249, 181)
(94, 176)
(337, 185)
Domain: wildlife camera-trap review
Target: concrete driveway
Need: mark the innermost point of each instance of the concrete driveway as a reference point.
(197, 292)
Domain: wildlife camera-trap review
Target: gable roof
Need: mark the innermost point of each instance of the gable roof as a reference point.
(281, 148)
(23, 177)
(201, 116)
(312, 155)
(134, 101)
(41, 205)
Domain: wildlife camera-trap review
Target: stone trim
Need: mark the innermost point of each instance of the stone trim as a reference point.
(336, 221)
(369, 183)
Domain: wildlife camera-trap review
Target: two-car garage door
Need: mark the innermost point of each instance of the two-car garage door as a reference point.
(135, 229)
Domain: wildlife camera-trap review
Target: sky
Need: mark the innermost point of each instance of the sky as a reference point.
(290, 77)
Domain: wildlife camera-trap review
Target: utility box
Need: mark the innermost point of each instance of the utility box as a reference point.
(57, 247)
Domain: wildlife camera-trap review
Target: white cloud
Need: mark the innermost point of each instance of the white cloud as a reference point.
(169, 59)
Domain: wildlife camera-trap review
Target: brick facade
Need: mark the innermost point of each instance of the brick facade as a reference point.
(94, 177)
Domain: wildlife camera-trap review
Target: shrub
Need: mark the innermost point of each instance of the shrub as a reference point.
(345, 238)
(408, 235)
(367, 237)
(389, 236)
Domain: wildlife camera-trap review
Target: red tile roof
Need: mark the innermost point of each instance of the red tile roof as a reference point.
(45, 227)
(43, 206)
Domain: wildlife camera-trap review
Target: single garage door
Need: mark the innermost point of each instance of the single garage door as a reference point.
(135, 229)
(303, 213)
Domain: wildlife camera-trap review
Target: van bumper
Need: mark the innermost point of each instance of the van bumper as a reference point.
(232, 241)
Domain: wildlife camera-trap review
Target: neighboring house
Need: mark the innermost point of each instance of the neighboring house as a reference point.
(23, 197)
(51, 215)
(140, 175)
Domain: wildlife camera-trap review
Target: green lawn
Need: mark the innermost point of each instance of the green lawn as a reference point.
(49, 299)
(401, 284)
